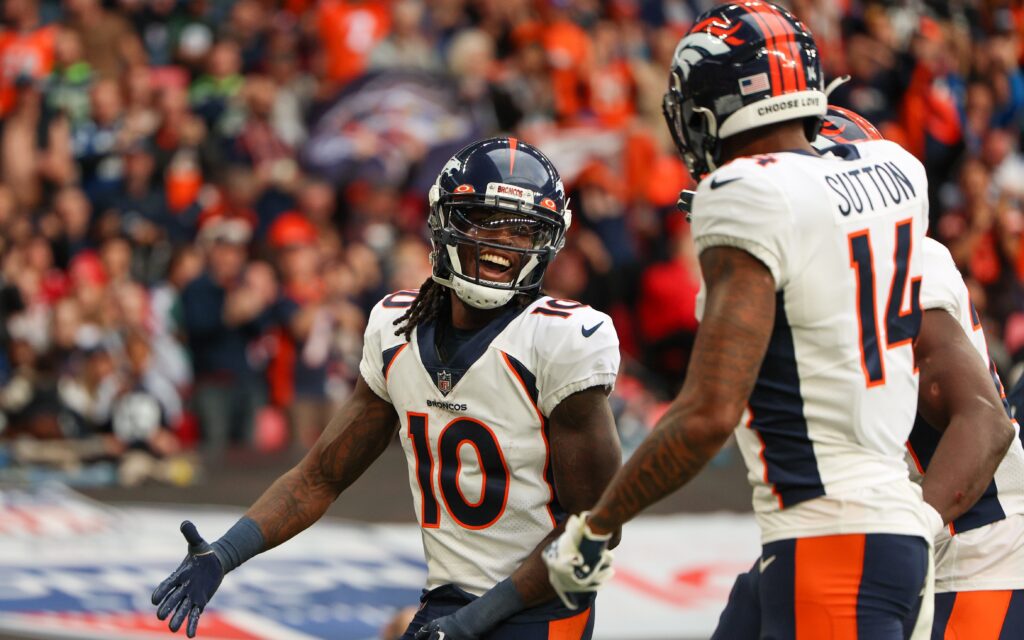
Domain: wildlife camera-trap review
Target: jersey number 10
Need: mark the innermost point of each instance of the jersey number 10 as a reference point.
(486, 510)
(901, 326)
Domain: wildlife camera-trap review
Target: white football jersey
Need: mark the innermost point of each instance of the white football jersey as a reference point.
(474, 428)
(823, 435)
(984, 548)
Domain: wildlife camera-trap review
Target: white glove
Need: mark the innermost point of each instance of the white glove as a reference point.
(579, 560)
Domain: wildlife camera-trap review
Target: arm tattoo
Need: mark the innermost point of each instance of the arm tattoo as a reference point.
(352, 441)
(730, 345)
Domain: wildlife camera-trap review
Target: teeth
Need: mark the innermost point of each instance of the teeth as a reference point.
(490, 257)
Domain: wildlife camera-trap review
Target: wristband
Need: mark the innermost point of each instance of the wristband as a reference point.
(242, 541)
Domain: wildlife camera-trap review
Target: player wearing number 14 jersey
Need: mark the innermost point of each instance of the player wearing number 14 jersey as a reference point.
(812, 272)
(499, 397)
(979, 559)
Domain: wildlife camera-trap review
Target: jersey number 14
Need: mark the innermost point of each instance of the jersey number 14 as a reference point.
(901, 325)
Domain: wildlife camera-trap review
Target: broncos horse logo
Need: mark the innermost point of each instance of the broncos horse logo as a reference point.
(708, 38)
(834, 131)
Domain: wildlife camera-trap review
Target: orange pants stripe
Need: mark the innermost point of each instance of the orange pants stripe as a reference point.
(827, 580)
(569, 628)
(978, 615)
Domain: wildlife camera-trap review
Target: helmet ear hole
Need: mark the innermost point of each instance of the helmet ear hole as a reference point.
(811, 128)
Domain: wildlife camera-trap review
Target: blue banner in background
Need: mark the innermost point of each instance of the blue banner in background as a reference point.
(74, 568)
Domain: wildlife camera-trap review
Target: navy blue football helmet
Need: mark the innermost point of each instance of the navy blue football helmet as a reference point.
(741, 66)
(843, 126)
(497, 183)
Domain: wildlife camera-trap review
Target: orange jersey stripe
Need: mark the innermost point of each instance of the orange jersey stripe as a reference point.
(764, 462)
(827, 581)
(569, 628)
(522, 383)
(393, 358)
(543, 435)
(978, 615)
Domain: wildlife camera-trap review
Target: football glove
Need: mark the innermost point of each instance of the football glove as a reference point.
(478, 618)
(445, 628)
(579, 560)
(186, 591)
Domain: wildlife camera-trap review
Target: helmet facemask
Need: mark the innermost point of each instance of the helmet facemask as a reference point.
(694, 129)
(473, 234)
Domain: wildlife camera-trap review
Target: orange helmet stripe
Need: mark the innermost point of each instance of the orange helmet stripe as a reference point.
(512, 142)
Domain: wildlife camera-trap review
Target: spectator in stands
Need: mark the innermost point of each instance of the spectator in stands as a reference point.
(26, 50)
(407, 47)
(348, 30)
(225, 311)
(212, 94)
(99, 142)
(110, 43)
(299, 368)
(67, 87)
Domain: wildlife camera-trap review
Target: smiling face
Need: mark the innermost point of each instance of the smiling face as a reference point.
(500, 238)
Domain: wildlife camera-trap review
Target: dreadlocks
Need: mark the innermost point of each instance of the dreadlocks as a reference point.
(428, 304)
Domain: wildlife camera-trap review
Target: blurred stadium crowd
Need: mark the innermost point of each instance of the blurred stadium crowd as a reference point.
(200, 200)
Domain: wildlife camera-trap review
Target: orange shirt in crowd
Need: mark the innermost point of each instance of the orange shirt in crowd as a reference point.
(612, 93)
(567, 47)
(24, 54)
(349, 31)
(928, 110)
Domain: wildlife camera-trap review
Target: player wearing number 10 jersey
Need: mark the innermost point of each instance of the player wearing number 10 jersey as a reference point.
(499, 397)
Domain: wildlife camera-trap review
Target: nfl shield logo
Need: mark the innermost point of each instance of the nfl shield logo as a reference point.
(444, 382)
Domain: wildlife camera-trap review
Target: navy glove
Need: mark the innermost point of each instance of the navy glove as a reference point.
(477, 618)
(445, 628)
(187, 591)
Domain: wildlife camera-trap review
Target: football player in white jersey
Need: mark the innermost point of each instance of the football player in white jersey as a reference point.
(499, 397)
(811, 268)
(979, 558)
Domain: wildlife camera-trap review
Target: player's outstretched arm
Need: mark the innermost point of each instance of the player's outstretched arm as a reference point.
(730, 345)
(355, 437)
(958, 396)
(585, 455)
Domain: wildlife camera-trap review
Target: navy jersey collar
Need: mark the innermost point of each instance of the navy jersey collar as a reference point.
(844, 151)
(446, 375)
(803, 152)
